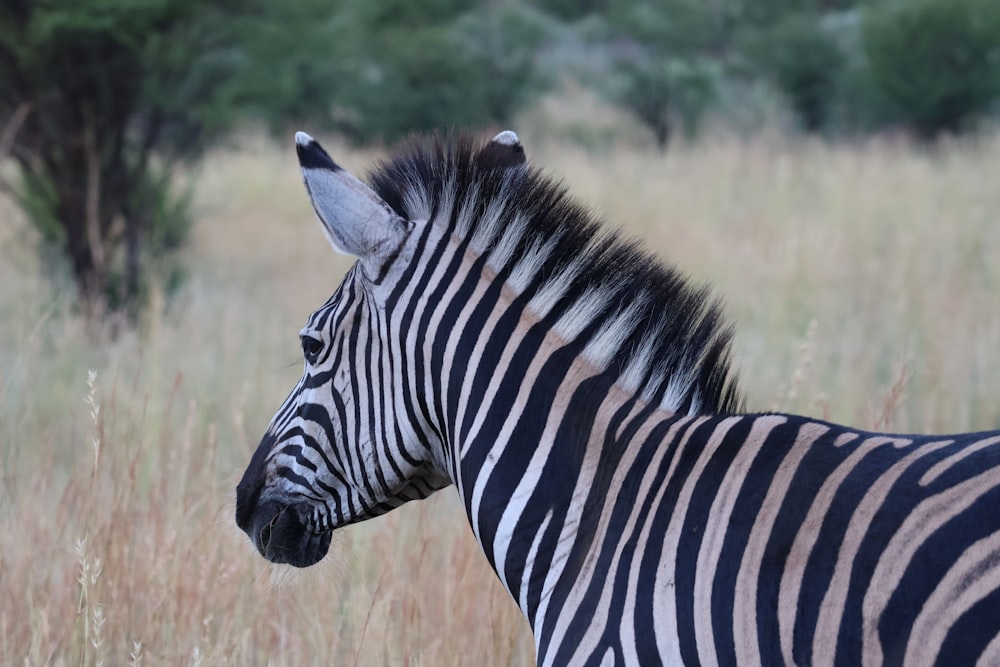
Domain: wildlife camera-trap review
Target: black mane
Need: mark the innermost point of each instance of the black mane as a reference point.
(675, 344)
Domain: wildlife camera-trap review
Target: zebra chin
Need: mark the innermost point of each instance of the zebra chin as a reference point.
(282, 537)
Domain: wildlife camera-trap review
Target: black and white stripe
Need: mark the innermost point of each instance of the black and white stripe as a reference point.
(577, 393)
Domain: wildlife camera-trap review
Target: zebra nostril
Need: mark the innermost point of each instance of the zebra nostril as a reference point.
(282, 536)
(265, 525)
(264, 536)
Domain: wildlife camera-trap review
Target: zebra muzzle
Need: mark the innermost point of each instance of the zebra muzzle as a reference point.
(281, 536)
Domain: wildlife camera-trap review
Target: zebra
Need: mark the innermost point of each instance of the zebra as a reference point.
(494, 335)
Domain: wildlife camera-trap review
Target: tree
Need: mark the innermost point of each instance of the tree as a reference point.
(806, 63)
(103, 98)
(936, 63)
(664, 71)
(666, 92)
(444, 65)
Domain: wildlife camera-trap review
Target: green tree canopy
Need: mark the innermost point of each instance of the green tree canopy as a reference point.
(936, 63)
(103, 98)
(448, 64)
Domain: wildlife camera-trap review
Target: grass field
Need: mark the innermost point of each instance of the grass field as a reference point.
(864, 281)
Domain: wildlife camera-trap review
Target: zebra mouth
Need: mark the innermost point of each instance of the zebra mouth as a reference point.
(282, 537)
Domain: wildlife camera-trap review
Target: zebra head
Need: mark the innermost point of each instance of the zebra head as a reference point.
(337, 451)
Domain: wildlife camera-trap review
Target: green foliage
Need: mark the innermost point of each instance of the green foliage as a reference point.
(418, 84)
(674, 27)
(503, 43)
(166, 210)
(102, 99)
(572, 10)
(435, 69)
(106, 96)
(807, 64)
(84, 74)
(708, 29)
(113, 87)
(932, 65)
(288, 58)
(665, 93)
(140, 248)
(392, 14)
(935, 63)
(38, 199)
(662, 70)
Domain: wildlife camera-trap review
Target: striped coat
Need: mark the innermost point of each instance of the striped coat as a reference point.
(577, 393)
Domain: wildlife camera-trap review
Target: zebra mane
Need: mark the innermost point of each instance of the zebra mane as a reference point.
(663, 336)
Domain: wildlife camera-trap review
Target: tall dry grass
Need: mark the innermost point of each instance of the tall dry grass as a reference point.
(864, 281)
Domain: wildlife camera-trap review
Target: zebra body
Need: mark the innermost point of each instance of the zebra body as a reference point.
(577, 394)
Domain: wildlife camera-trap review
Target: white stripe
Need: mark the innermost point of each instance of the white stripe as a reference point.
(943, 465)
(530, 561)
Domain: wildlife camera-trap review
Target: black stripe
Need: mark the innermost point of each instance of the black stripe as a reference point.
(320, 415)
(296, 479)
(295, 451)
(419, 368)
(485, 367)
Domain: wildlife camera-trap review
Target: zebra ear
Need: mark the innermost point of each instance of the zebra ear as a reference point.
(503, 151)
(356, 220)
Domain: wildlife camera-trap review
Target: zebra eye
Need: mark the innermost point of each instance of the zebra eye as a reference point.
(311, 347)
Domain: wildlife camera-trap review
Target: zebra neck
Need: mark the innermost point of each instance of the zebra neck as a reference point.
(546, 414)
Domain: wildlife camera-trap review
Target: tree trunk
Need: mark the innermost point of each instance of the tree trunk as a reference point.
(663, 131)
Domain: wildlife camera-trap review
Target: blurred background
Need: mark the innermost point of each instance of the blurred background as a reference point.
(828, 166)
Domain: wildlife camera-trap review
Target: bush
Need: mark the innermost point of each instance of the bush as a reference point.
(461, 70)
(153, 225)
(101, 99)
(504, 44)
(934, 63)
(666, 92)
(806, 64)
